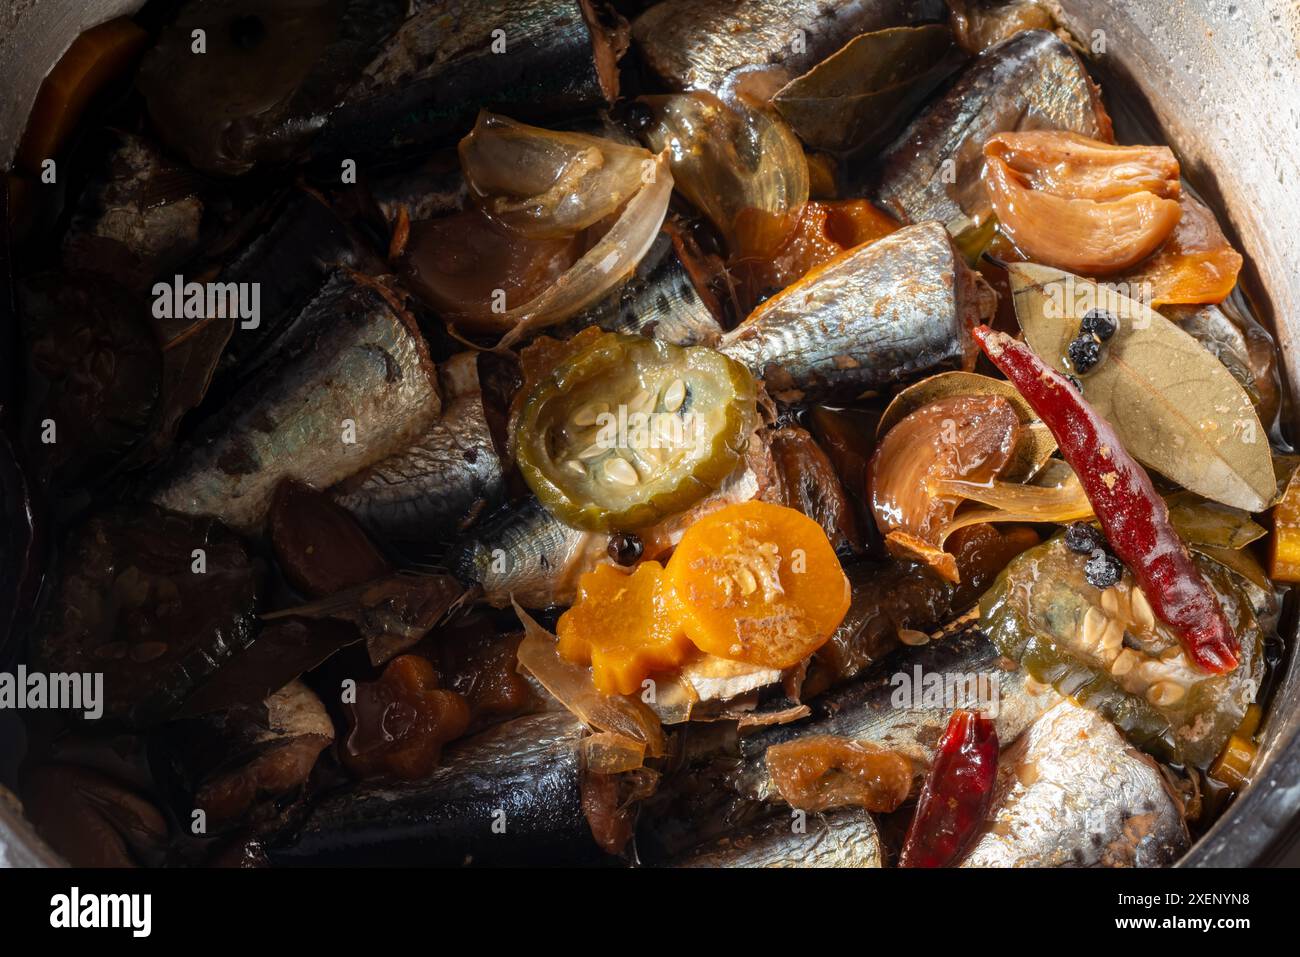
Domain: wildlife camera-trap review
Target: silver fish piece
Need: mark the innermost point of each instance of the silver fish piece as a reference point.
(1071, 793)
(900, 705)
(1031, 81)
(661, 300)
(528, 553)
(529, 770)
(886, 312)
(449, 475)
(702, 44)
(722, 783)
(354, 385)
(845, 837)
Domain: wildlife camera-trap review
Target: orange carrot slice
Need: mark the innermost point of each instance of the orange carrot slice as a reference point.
(757, 582)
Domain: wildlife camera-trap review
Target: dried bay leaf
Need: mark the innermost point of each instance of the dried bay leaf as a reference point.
(859, 96)
(1175, 406)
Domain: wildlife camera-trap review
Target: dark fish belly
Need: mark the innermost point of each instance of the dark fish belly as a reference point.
(511, 795)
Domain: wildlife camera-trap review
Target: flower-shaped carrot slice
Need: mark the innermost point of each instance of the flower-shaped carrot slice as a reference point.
(622, 626)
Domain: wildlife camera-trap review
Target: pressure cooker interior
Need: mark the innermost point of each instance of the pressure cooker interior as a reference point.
(623, 433)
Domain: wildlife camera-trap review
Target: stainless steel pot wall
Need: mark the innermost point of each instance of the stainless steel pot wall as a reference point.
(1220, 78)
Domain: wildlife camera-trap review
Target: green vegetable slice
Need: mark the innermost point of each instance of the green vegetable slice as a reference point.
(628, 431)
(1104, 649)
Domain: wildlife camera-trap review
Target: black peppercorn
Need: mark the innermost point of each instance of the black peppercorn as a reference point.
(1099, 323)
(1103, 570)
(1084, 539)
(624, 548)
(638, 117)
(1084, 353)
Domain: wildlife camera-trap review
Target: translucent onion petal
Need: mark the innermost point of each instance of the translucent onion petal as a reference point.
(628, 722)
(603, 267)
(545, 184)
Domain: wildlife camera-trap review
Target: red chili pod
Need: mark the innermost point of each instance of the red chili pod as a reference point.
(956, 795)
(1131, 512)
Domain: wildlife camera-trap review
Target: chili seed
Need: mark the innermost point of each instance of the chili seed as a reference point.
(624, 548)
(621, 471)
(674, 395)
(1083, 538)
(1099, 323)
(1084, 352)
(1103, 570)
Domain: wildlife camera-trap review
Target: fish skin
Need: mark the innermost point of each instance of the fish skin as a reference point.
(660, 300)
(436, 71)
(446, 477)
(529, 768)
(361, 358)
(289, 260)
(845, 837)
(723, 785)
(1033, 80)
(874, 316)
(701, 44)
(1071, 793)
(540, 558)
(865, 710)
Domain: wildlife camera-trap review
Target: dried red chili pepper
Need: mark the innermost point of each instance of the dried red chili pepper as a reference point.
(1132, 514)
(956, 795)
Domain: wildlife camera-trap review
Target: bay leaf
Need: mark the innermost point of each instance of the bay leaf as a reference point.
(1176, 407)
(858, 97)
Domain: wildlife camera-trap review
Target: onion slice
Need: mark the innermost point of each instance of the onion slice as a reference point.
(603, 267)
(629, 725)
(545, 184)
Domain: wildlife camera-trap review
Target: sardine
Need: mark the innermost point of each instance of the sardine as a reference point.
(288, 262)
(845, 837)
(665, 299)
(1244, 346)
(434, 188)
(443, 481)
(354, 384)
(903, 705)
(527, 552)
(702, 44)
(900, 707)
(1031, 81)
(530, 59)
(1071, 793)
(345, 79)
(876, 315)
(509, 795)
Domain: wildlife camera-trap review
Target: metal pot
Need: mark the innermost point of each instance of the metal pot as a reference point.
(1219, 79)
